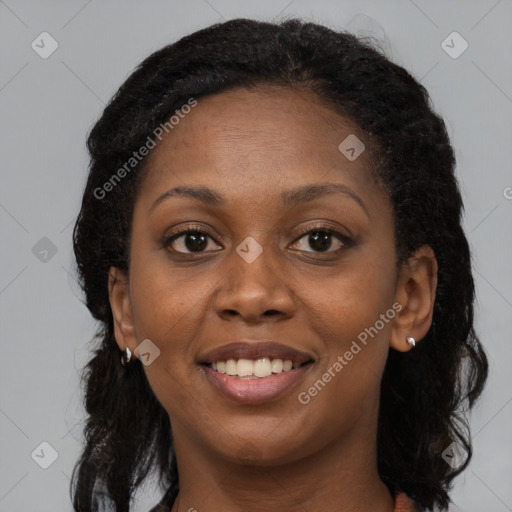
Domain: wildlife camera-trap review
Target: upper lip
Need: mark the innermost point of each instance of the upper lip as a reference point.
(247, 349)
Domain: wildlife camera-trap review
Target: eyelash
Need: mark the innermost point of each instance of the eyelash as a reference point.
(198, 230)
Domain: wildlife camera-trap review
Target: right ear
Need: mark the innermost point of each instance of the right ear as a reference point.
(120, 303)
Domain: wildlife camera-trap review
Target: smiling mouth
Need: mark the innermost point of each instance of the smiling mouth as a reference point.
(255, 369)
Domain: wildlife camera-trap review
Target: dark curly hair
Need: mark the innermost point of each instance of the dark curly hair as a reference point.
(425, 393)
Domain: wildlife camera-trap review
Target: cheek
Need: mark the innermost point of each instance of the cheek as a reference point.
(352, 313)
(352, 299)
(355, 325)
(164, 302)
(168, 310)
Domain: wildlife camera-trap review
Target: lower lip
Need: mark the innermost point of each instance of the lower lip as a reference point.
(253, 391)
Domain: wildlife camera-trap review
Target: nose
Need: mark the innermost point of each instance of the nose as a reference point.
(255, 291)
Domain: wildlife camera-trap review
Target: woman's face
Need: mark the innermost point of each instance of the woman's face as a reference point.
(254, 275)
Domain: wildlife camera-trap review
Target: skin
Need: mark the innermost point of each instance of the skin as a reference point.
(250, 146)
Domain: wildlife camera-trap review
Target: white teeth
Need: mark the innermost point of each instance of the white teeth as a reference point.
(277, 365)
(231, 367)
(261, 367)
(244, 367)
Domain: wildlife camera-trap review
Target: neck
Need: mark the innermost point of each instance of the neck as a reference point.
(340, 477)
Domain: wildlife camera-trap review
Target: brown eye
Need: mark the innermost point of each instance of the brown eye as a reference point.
(189, 241)
(322, 239)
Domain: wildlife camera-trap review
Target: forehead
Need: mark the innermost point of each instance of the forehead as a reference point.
(259, 139)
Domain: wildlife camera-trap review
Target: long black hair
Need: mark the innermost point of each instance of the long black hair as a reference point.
(425, 393)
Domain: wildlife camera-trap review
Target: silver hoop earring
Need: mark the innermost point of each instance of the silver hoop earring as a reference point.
(411, 341)
(126, 356)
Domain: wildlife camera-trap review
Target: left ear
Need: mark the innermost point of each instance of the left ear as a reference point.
(416, 293)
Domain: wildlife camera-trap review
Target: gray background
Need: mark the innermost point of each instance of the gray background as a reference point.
(48, 106)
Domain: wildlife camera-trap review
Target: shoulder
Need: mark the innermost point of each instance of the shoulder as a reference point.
(404, 504)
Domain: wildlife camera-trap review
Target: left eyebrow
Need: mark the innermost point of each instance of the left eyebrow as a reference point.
(310, 192)
(291, 197)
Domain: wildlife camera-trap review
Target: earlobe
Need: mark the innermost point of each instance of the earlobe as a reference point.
(416, 293)
(120, 304)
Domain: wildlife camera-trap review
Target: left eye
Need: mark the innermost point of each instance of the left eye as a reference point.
(194, 240)
(320, 239)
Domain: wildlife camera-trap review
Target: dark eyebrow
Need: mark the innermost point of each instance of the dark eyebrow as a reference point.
(290, 197)
(202, 193)
(309, 192)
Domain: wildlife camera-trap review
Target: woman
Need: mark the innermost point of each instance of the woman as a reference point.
(271, 238)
